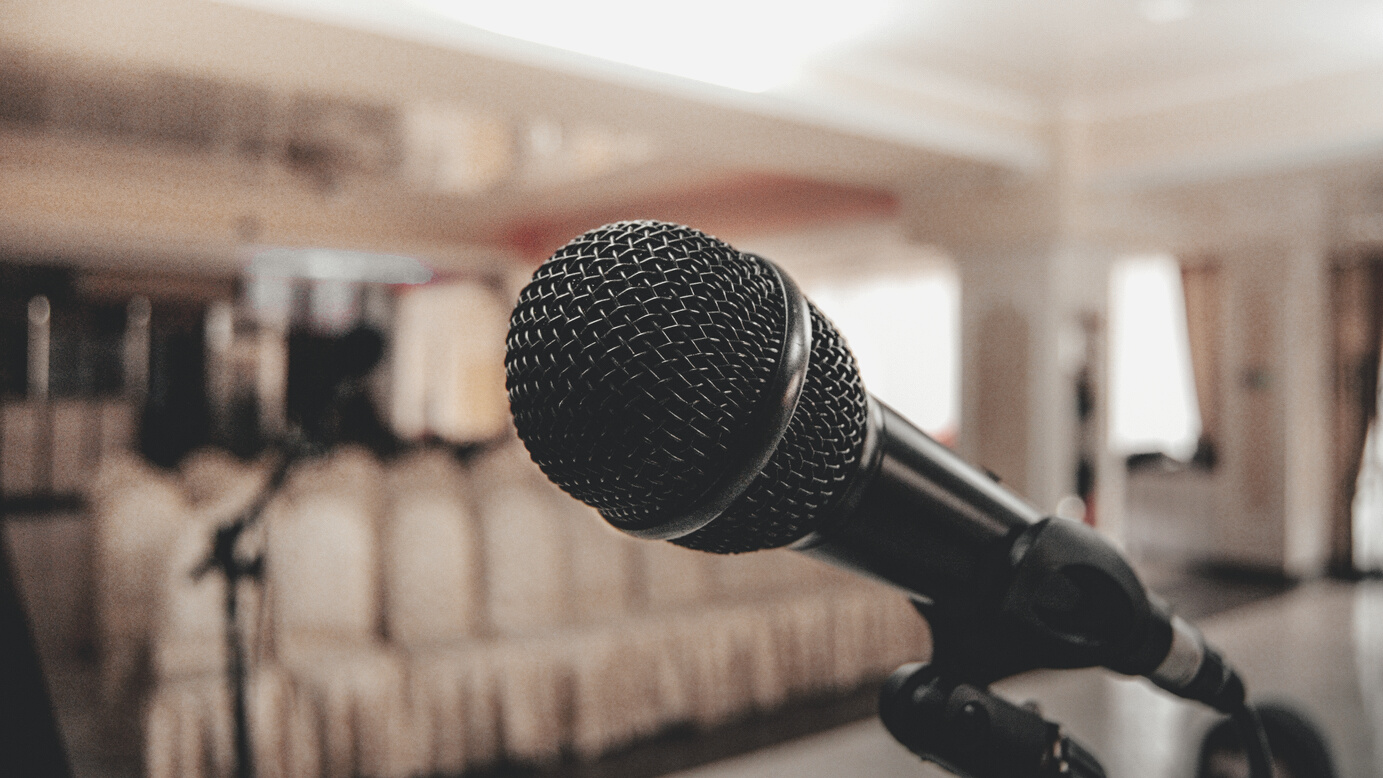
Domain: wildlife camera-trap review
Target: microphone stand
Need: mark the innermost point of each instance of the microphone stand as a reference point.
(223, 559)
(940, 712)
(1058, 592)
(972, 732)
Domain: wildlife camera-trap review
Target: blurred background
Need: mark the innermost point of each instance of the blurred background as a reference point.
(1125, 254)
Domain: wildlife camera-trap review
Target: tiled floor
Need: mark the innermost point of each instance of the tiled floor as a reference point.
(1319, 646)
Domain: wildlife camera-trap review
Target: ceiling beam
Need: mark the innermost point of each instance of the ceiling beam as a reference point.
(716, 127)
(1303, 124)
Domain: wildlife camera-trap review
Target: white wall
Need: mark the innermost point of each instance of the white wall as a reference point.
(1267, 503)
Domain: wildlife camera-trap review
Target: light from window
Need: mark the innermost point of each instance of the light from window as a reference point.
(905, 333)
(1152, 394)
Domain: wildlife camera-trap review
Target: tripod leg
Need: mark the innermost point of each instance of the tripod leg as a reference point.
(244, 762)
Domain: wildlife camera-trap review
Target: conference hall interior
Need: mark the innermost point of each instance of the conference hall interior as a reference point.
(1124, 255)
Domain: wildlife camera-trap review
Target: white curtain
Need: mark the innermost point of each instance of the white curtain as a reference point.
(1368, 502)
(1368, 651)
(1152, 389)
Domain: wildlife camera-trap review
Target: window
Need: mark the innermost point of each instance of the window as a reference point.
(904, 330)
(1152, 388)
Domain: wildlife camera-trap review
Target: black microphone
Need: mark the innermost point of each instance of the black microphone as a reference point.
(690, 393)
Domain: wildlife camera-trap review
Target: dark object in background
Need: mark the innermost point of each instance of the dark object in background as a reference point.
(1206, 456)
(177, 417)
(85, 334)
(1154, 461)
(328, 391)
(1299, 748)
(30, 743)
(243, 435)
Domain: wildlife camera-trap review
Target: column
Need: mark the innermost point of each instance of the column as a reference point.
(1033, 299)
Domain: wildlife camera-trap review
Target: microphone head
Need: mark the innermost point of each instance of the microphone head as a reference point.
(637, 354)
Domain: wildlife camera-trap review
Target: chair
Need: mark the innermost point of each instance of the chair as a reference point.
(189, 636)
(188, 732)
(323, 585)
(137, 512)
(526, 549)
(430, 554)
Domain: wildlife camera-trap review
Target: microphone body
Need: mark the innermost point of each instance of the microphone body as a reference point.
(691, 393)
(1005, 589)
(921, 518)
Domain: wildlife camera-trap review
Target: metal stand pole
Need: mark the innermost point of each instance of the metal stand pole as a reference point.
(234, 569)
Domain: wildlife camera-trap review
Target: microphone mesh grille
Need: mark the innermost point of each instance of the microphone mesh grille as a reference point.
(634, 355)
(812, 465)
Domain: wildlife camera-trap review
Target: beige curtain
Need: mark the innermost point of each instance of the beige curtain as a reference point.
(1200, 281)
(1357, 319)
(448, 370)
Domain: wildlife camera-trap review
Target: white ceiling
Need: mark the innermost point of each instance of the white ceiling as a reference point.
(1059, 53)
(1073, 51)
(982, 80)
(942, 91)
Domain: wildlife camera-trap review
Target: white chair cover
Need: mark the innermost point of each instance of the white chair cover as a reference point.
(322, 564)
(527, 561)
(675, 579)
(625, 686)
(137, 513)
(603, 587)
(455, 708)
(190, 635)
(431, 560)
(323, 574)
(189, 733)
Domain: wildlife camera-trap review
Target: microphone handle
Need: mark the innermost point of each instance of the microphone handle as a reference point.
(921, 518)
(1005, 589)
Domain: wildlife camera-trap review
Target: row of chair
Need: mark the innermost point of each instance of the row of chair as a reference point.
(423, 617)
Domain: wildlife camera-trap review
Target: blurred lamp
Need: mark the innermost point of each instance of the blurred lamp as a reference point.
(335, 265)
(1166, 11)
(751, 45)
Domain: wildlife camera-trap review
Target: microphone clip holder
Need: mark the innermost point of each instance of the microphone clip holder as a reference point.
(1064, 599)
(974, 733)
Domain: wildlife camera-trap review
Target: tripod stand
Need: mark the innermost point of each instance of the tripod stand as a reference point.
(224, 559)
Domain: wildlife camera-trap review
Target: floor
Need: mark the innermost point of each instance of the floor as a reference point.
(1319, 646)
(1200, 591)
(99, 745)
(1195, 592)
